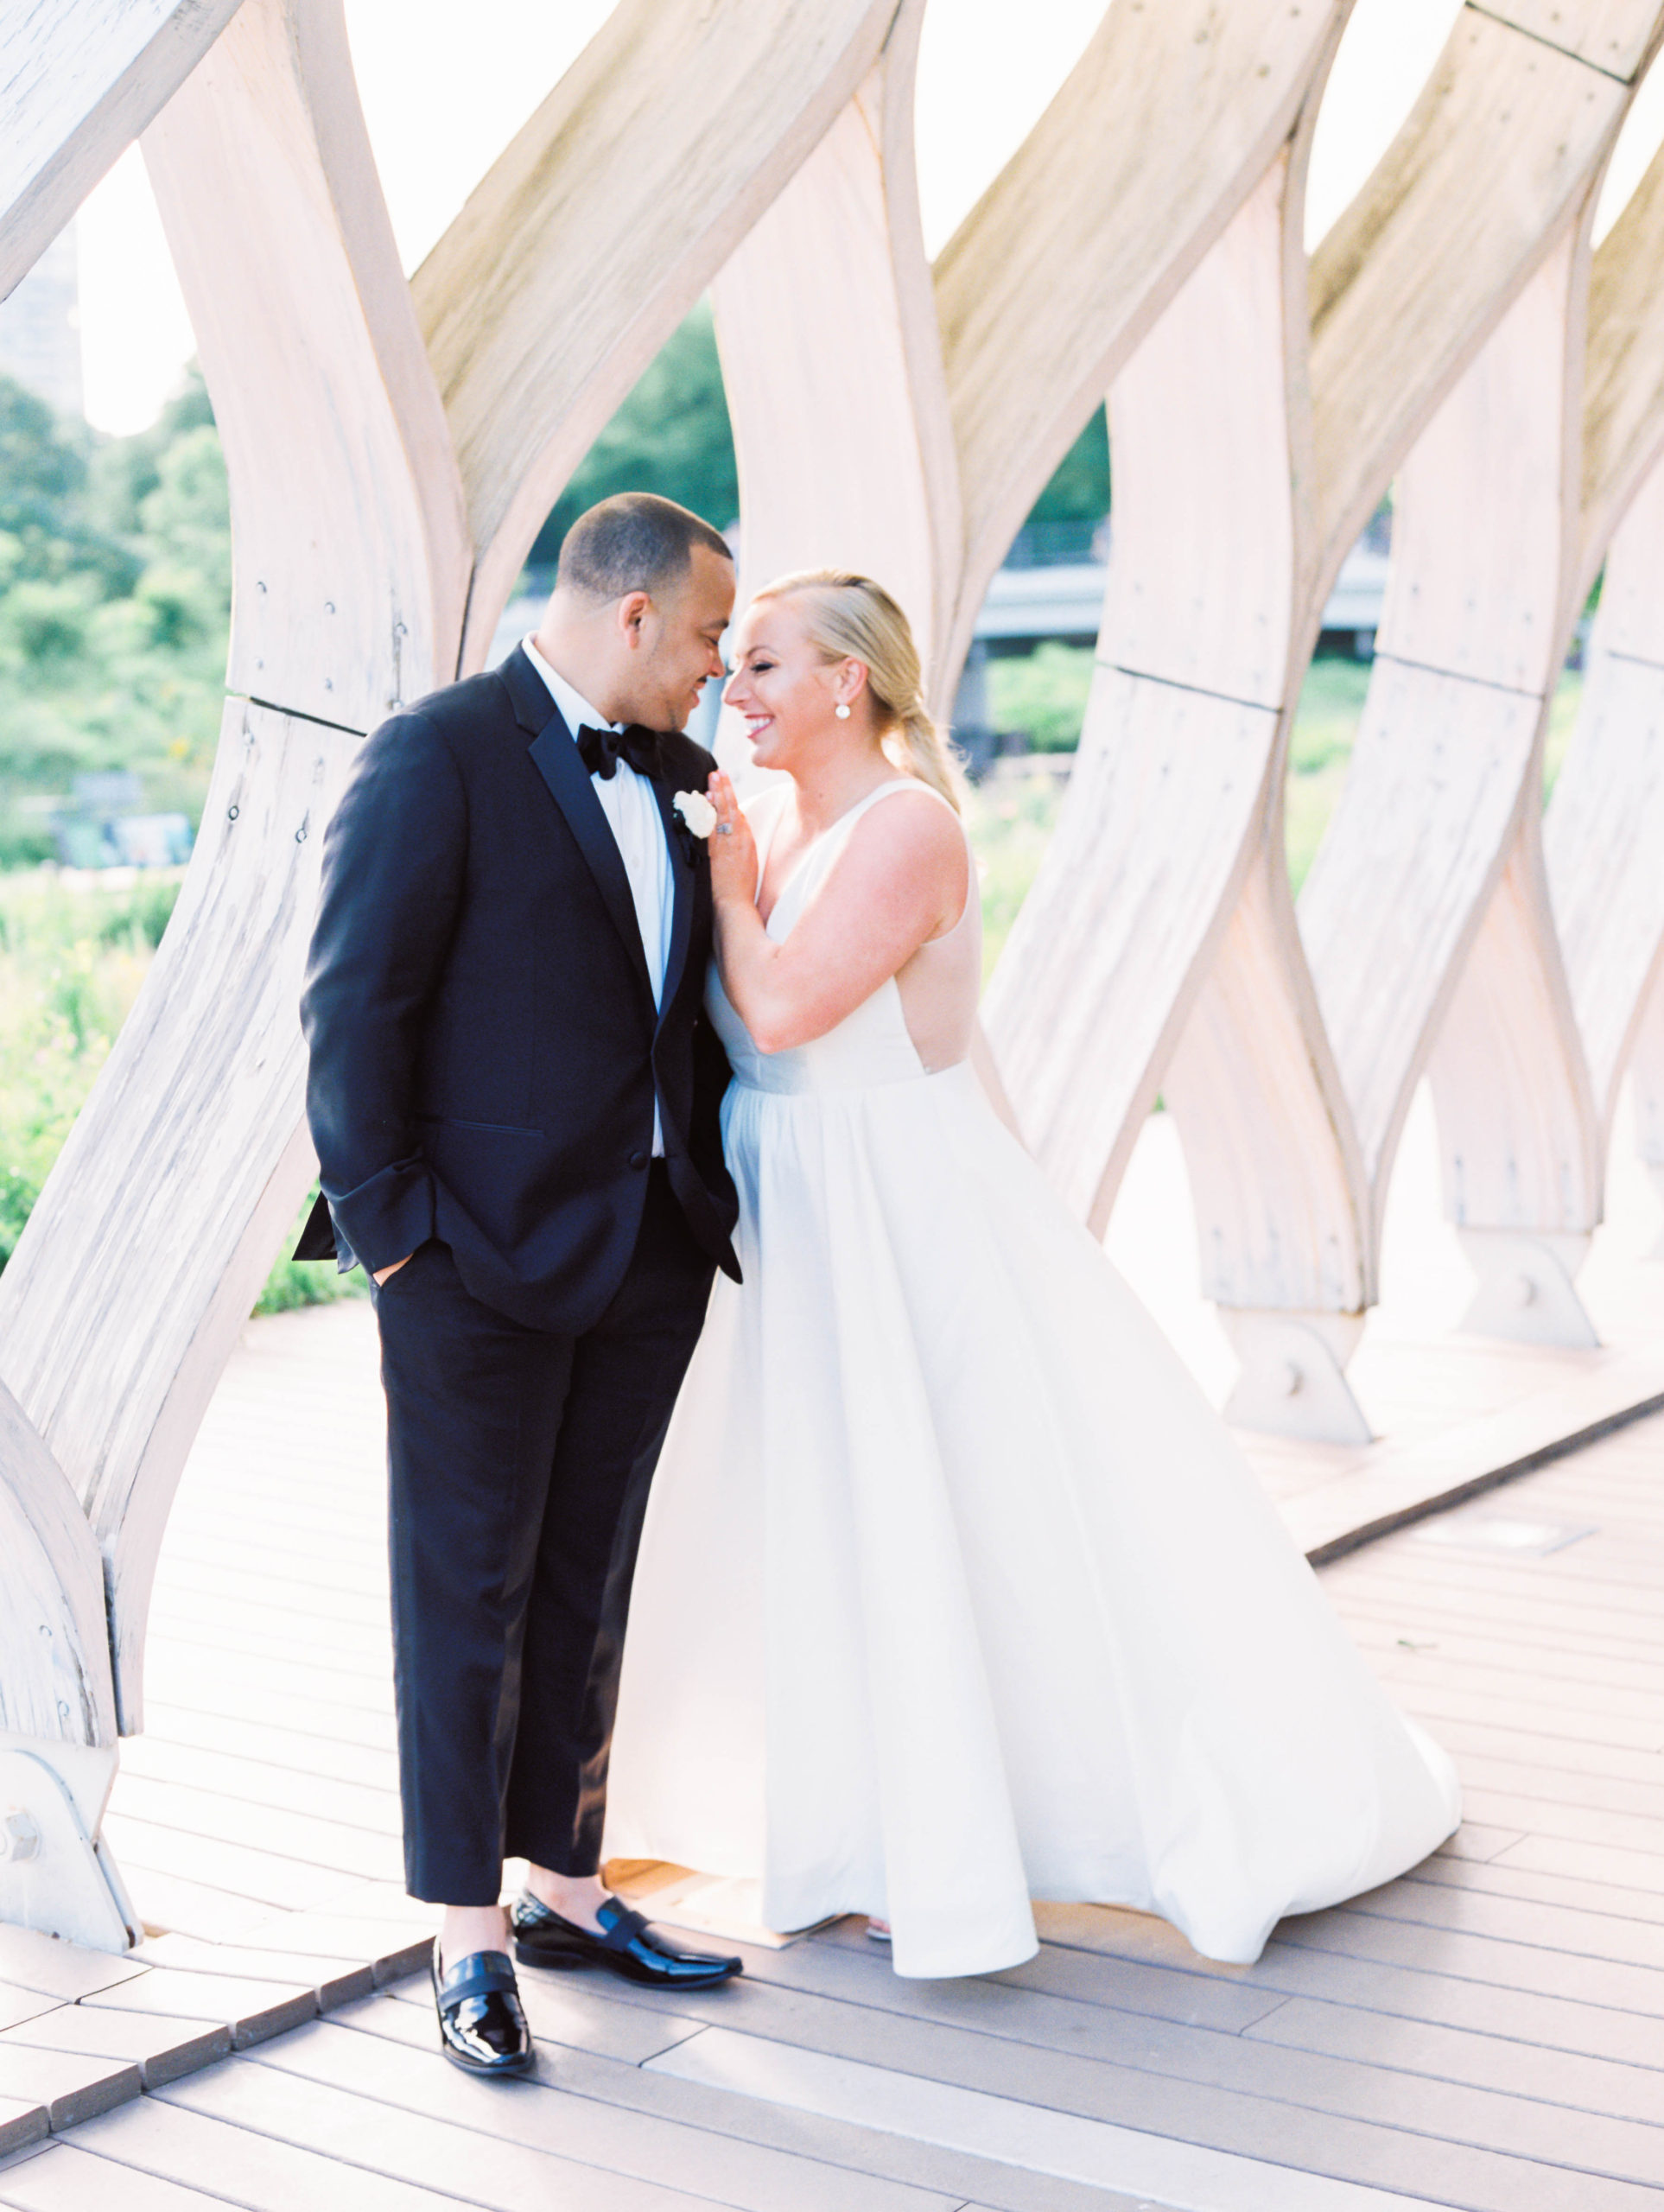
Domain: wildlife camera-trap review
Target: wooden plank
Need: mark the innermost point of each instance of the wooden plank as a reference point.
(32, 1962)
(1078, 2145)
(1556, 2080)
(68, 2086)
(1290, 1970)
(1353, 2123)
(158, 2138)
(248, 1781)
(162, 2047)
(82, 78)
(1063, 267)
(846, 2148)
(1419, 270)
(411, 2076)
(410, 2147)
(239, 1870)
(836, 390)
(600, 224)
(66, 2178)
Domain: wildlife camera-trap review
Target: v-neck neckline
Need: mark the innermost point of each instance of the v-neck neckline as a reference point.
(819, 838)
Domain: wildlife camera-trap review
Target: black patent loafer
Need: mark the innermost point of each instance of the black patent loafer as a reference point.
(481, 2026)
(628, 1947)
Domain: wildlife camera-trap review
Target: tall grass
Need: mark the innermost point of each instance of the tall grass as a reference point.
(74, 953)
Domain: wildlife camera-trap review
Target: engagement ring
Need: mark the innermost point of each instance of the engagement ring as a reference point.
(725, 828)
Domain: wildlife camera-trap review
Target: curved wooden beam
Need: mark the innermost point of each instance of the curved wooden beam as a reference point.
(81, 79)
(1065, 264)
(1493, 161)
(149, 1243)
(596, 230)
(55, 1682)
(835, 389)
(1602, 829)
(1445, 775)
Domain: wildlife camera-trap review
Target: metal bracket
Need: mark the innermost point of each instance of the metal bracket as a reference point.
(1293, 1380)
(1526, 1293)
(55, 1874)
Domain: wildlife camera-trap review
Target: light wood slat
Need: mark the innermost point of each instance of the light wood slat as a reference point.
(161, 2138)
(1401, 1992)
(285, 1748)
(408, 2147)
(1213, 2089)
(1063, 267)
(1017, 2005)
(413, 2077)
(594, 233)
(1619, 1984)
(836, 390)
(305, 1837)
(1587, 1930)
(82, 78)
(1631, 2091)
(64, 2177)
(974, 2116)
(1644, 1675)
(1401, 294)
(249, 1780)
(1552, 2079)
(1614, 35)
(1593, 1629)
(1508, 1881)
(262, 1876)
(846, 2147)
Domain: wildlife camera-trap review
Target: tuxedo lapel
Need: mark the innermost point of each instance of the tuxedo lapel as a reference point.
(679, 838)
(556, 757)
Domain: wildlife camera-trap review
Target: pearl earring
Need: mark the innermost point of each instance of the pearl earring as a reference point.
(841, 711)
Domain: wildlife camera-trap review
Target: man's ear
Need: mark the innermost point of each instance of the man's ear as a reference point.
(630, 615)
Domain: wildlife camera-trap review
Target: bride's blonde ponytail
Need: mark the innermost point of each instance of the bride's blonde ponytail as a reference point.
(850, 617)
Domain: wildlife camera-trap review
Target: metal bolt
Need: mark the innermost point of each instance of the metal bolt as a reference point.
(1524, 1290)
(1292, 1379)
(19, 1837)
(329, 606)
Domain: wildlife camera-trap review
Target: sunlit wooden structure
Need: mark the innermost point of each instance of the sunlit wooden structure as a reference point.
(393, 446)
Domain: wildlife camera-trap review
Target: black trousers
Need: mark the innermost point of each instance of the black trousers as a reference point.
(519, 1464)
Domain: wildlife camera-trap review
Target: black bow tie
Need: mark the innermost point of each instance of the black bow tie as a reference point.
(601, 750)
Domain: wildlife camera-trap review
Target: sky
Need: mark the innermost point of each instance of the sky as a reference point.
(438, 111)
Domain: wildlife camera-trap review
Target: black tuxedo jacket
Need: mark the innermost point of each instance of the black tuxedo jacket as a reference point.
(485, 1050)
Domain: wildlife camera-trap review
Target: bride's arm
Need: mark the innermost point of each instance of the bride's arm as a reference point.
(901, 878)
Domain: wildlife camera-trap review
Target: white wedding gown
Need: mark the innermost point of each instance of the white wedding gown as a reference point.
(954, 1592)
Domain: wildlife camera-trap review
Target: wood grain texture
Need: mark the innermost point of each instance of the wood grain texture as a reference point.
(835, 386)
(596, 230)
(78, 80)
(350, 558)
(1064, 265)
(186, 1168)
(54, 1649)
(1495, 158)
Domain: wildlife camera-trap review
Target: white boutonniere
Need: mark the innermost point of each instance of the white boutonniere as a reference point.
(696, 811)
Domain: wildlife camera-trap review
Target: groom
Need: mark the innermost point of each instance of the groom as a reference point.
(513, 1093)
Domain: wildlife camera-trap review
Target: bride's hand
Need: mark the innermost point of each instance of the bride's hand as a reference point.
(731, 846)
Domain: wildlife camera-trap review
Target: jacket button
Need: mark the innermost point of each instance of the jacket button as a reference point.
(638, 1160)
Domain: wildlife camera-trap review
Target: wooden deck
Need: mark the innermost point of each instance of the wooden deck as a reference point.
(1487, 2033)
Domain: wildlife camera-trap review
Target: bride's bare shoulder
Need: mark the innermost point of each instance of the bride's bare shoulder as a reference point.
(912, 827)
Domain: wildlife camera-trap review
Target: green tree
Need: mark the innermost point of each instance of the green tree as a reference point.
(671, 436)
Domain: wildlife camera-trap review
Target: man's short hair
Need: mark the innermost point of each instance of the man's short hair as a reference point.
(634, 542)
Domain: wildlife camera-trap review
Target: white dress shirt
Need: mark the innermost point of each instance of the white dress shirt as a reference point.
(638, 827)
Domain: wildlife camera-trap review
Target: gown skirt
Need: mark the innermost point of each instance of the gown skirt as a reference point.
(954, 1591)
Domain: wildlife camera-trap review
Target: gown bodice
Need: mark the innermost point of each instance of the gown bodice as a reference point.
(915, 1024)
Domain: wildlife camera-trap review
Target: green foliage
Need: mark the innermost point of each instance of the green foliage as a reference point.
(1042, 694)
(671, 436)
(115, 603)
(1079, 490)
(72, 962)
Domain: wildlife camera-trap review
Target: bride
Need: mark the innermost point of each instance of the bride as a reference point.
(954, 1592)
